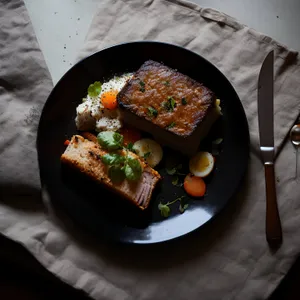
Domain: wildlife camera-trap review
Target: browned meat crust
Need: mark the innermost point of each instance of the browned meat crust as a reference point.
(166, 98)
(85, 156)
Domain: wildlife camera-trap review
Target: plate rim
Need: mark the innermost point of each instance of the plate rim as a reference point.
(244, 117)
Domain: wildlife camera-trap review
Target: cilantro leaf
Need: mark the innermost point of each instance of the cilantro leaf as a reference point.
(116, 174)
(164, 210)
(110, 140)
(183, 208)
(173, 124)
(217, 141)
(133, 169)
(171, 171)
(130, 147)
(166, 83)
(152, 112)
(170, 104)
(142, 86)
(183, 101)
(110, 159)
(175, 180)
(94, 89)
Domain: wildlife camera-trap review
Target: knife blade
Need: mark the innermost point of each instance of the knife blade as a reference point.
(265, 107)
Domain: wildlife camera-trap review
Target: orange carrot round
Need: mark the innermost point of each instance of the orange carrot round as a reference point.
(194, 186)
(109, 100)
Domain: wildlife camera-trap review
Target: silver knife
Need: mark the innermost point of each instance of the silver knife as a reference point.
(265, 106)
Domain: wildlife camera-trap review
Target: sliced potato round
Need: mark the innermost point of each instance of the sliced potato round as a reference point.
(150, 150)
(201, 164)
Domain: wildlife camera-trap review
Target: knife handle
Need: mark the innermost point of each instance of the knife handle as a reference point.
(273, 224)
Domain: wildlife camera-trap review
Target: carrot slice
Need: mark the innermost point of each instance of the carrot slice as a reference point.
(130, 135)
(194, 186)
(67, 142)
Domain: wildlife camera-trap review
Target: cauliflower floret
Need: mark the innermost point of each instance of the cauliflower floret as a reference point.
(107, 124)
(84, 119)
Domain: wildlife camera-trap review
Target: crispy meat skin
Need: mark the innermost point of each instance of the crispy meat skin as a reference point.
(85, 156)
(152, 85)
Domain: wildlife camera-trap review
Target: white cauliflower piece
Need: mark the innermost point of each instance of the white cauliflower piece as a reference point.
(107, 124)
(84, 119)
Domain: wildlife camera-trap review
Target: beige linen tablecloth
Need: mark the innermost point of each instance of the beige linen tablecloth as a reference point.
(229, 259)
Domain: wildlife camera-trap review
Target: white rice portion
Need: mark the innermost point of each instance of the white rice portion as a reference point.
(91, 115)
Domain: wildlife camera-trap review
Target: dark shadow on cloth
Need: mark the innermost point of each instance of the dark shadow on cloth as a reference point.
(21, 197)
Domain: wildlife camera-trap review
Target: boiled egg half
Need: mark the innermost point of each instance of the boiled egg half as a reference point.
(201, 164)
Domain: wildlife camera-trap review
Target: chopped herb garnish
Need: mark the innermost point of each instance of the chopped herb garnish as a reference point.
(94, 89)
(170, 104)
(175, 180)
(183, 101)
(183, 208)
(152, 112)
(165, 208)
(142, 86)
(130, 147)
(175, 170)
(217, 141)
(173, 124)
(146, 155)
(167, 83)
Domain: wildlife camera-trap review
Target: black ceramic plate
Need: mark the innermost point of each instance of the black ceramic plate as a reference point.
(103, 213)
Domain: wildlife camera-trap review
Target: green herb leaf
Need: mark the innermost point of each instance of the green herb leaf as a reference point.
(130, 147)
(146, 155)
(175, 180)
(175, 170)
(133, 169)
(217, 141)
(110, 140)
(152, 112)
(167, 83)
(110, 159)
(183, 208)
(183, 101)
(94, 89)
(164, 210)
(142, 86)
(116, 174)
(172, 103)
(173, 124)
(171, 171)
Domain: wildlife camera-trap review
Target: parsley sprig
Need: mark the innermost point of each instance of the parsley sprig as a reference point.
(165, 209)
(152, 112)
(94, 89)
(142, 86)
(170, 104)
(120, 166)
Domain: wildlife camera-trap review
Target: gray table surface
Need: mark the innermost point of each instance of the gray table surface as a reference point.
(61, 26)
